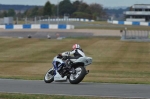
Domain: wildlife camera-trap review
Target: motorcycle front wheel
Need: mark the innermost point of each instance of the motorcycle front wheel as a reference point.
(49, 76)
(78, 76)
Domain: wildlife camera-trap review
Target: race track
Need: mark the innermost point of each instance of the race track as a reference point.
(43, 34)
(82, 89)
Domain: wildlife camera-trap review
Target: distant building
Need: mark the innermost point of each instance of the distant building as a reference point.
(138, 12)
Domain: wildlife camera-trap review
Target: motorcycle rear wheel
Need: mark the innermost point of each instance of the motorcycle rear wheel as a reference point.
(49, 76)
(78, 76)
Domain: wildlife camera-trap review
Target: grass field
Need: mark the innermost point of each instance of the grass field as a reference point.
(108, 26)
(114, 61)
(38, 96)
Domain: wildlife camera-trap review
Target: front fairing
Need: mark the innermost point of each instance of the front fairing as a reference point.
(85, 60)
(58, 77)
(58, 63)
(58, 59)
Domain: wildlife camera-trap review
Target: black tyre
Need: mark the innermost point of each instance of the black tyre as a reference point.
(49, 76)
(78, 76)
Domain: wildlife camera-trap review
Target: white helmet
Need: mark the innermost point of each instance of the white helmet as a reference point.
(75, 46)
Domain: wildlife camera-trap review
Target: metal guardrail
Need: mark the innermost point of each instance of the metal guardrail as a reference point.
(135, 35)
(137, 13)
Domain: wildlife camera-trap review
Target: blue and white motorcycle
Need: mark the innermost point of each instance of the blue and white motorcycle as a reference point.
(75, 73)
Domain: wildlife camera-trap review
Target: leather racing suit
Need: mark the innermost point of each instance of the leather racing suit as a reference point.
(77, 53)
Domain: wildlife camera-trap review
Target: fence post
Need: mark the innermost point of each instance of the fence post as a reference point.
(35, 20)
(149, 34)
(26, 19)
(125, 32)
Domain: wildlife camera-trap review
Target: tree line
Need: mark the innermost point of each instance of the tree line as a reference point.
(76, 9)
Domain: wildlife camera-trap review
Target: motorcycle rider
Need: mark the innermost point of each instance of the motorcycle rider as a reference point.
(77, 52)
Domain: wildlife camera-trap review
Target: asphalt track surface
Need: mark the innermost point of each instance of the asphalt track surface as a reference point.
(42, 34)
(82, 89)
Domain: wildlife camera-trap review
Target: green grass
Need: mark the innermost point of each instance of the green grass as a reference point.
(114, 61)
(38, 96)
(110, 26)
(116, 27)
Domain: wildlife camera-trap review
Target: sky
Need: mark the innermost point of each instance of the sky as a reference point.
(105, 3)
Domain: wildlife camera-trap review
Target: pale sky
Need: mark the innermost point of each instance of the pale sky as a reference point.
(105, 3)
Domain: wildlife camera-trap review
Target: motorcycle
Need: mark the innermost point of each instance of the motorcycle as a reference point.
(75, 73)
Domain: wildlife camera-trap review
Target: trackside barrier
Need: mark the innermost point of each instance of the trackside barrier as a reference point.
(135, 23)
(62, 26)
(9, 26)
(37, 26)
(45, 26)
(121, 22)
(130, 23)
(144, 23)
(69, 19)
(26, 26)
(135, 35)
(2, 26)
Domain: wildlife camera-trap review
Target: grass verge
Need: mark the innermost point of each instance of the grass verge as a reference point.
(38, 96)
(114, 61)
(109, 26)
